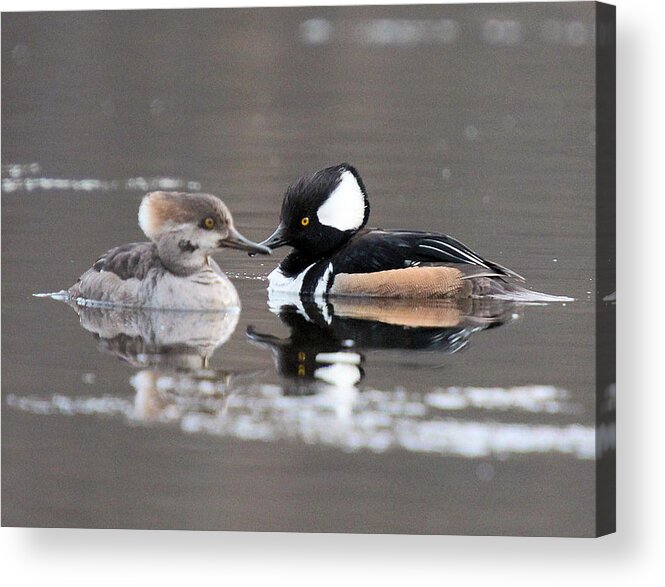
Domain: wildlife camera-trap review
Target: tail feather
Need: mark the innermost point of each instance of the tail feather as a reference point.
(61, 296)
(505, 271)
(501, 290)
(493, 284)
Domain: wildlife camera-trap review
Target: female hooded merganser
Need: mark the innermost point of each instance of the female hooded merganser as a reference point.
(323, 217)
(174, 270)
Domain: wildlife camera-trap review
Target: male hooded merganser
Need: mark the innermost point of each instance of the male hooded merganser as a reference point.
(174, 270)
(323, 218)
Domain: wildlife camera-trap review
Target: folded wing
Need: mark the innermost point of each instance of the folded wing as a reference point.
(381, 250)
(128, 261)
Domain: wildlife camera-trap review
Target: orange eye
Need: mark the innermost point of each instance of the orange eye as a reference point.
(209, 223)
(305, 221)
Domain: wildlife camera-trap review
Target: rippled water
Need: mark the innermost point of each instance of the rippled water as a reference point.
(365, 417)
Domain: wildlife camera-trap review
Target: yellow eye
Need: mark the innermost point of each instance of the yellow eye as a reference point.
(305, 221)
(209, 223)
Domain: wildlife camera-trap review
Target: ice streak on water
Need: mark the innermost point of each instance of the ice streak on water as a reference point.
(445, 421)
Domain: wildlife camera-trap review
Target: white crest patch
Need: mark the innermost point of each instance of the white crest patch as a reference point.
(147, 220)
(345, 207)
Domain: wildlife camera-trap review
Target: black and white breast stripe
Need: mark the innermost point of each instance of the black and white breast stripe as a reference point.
(314, 280)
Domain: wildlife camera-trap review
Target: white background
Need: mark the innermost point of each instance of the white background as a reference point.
(635, 555)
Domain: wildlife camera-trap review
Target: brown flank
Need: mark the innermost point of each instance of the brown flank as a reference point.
(411, 282)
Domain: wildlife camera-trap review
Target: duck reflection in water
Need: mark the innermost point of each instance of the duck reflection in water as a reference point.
(319, 399)
(327, 340)
(172, 349)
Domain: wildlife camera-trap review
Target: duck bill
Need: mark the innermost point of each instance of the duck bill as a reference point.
(235, 240)
(276, 239)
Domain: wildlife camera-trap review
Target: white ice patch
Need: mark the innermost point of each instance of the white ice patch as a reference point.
(462, 422)
(345, 207)
(534, 399)
(27, 178)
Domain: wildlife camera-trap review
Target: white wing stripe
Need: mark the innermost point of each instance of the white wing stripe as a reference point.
(468, 254)
(460, 254)
(456, 257)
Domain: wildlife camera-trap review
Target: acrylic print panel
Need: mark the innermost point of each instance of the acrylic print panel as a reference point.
(493, 124)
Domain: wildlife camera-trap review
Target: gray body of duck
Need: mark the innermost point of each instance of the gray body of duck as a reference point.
(175, 269)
